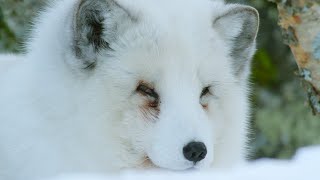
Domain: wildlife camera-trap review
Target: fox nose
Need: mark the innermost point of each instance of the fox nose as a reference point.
(195, 151)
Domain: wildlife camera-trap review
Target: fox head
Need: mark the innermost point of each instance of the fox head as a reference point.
(172, 76)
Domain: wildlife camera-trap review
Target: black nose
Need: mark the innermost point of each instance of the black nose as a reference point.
(195, 151)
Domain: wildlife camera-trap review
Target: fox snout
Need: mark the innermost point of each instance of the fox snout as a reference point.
(195, 151)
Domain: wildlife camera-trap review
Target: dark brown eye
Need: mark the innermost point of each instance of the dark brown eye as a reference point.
(205, 91)
(147, 91)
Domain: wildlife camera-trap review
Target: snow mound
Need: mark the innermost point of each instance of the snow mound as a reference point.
(304, 166)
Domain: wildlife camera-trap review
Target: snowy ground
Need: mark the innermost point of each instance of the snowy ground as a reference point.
(304, 166)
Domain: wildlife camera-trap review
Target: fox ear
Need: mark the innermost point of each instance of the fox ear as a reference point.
(96, 24)
(238, 25)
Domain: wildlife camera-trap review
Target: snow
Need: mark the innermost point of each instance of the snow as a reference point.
(304, 166)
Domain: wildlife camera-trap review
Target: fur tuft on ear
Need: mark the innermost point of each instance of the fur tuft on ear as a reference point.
(239, 25)
(96, 24)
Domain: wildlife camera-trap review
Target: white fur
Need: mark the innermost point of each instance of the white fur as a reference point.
(55, 118)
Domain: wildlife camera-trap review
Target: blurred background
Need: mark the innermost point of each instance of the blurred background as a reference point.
(281, 119)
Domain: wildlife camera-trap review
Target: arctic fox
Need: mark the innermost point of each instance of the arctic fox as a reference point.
(113, 84)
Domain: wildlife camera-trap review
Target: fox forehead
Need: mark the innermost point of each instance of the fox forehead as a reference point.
(168, 10)
(173, 55)
(166, 39)
(179, 18)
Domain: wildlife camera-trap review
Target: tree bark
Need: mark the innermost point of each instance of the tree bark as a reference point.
(300, 22)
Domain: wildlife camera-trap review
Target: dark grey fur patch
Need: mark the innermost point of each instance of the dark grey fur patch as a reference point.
(244, 43)
(95, 25)
(88, 31)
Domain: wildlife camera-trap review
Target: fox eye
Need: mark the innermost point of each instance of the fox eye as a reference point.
(205, 91)
(147, 91)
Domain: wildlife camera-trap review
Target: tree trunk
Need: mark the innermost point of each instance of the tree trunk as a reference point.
(300, 22)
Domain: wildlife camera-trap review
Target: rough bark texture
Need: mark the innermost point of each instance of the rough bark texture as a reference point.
(300, 21)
